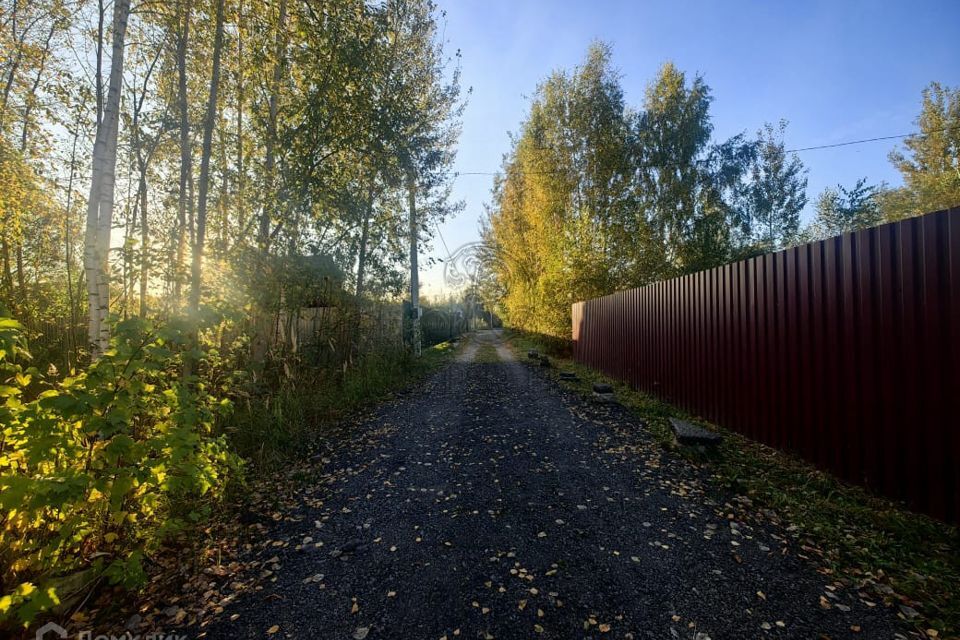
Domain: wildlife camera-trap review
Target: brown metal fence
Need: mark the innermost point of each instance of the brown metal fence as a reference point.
(844, 351)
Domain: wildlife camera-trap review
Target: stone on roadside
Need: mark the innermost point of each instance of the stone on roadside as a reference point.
(687, 433)
(603, 393)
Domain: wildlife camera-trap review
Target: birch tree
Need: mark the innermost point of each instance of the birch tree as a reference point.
(96, 257)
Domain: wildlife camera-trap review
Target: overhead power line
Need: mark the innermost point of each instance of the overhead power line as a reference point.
(440, 233)
(797, 150)
(852, 142)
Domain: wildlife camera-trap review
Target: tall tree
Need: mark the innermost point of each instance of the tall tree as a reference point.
(100, 202)
(776, 192)
(682, 177)
(561, 226)
(595, 196)
(394, 106)
(269, 206)
(143, 147)
(208, 125)
(185, 192)
(329, 106)
(842, 210)
(930, 164)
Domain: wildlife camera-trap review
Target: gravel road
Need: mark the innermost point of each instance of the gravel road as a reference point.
(490, 503)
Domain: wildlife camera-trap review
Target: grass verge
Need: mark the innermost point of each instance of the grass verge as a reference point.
(905, 559)
(487, 353)
(268, 429)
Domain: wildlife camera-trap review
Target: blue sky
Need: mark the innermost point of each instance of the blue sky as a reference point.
(836, 70)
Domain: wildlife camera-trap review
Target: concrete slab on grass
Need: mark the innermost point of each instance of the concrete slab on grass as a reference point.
(687, 433)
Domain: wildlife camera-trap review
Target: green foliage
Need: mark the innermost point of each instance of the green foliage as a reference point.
(271, 427)
(679, 194)
(842, 210)
(776, 193)
(99, 468)
(930, 164)
(369, 97)
(25, 208)
(325, 115)
(322, 112)
(596, 197)
(930, 167)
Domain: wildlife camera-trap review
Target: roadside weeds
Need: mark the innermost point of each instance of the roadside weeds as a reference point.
(201, 572)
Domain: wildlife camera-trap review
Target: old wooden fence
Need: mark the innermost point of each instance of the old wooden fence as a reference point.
(844, 351)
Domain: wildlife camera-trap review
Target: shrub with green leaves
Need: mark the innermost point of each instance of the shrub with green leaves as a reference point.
(100, 468)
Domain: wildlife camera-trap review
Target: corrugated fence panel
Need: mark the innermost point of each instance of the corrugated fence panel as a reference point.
(844, 351)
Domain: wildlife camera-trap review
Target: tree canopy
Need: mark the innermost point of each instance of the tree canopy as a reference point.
(930, 162)
(597, 196)
(202, 202)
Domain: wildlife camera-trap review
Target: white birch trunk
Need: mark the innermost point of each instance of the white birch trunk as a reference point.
(96, 250)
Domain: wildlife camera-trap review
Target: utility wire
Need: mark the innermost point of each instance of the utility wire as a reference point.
(847, 144)
(440, 233)
(449, 255)
(797, 150)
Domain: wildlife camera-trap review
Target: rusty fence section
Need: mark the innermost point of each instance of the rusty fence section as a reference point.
(845, 352)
